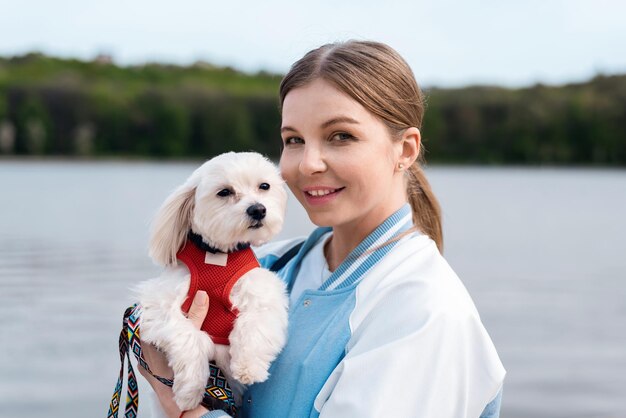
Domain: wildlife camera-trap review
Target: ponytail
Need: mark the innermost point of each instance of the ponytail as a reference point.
(426, 209)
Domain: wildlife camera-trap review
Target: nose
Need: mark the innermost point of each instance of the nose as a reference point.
(256, 211)
(312, 161)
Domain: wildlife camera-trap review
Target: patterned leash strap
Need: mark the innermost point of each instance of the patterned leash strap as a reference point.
(218, 394)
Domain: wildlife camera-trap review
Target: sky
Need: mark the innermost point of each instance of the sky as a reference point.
(447, 43)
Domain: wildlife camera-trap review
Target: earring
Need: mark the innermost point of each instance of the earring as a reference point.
(400, 166)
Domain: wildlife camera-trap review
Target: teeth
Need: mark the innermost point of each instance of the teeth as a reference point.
(320, 192)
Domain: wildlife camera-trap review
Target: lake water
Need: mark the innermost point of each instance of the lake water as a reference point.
(542, 252)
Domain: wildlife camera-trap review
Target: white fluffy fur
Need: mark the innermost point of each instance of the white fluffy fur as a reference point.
(259, 331)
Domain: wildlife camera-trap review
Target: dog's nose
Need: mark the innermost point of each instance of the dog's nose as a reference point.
(256, 211)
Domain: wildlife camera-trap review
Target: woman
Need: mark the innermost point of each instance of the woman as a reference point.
(379, 323)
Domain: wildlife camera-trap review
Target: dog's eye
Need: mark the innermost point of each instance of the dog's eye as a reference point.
(264, 186)
(224, 192)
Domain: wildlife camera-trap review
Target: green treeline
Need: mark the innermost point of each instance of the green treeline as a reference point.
(574, 124)
(51, 106)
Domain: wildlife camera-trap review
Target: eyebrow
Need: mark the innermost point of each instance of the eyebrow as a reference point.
(333, 121)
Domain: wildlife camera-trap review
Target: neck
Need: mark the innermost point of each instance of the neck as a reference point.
(336, 250)
(199, 242)
(347, 237)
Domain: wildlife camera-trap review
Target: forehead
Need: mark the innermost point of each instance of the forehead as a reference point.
(319, 101)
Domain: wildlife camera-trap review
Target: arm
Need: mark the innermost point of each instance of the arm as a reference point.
(437, 367)
(158, 364)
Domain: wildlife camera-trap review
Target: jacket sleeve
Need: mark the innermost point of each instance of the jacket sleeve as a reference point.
(441, 366)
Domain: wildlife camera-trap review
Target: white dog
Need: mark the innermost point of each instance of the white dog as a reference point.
(233, 200)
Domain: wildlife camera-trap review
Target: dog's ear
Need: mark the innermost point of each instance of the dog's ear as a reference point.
(171, 225)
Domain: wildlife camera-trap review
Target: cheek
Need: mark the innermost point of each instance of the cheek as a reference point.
(371, 172)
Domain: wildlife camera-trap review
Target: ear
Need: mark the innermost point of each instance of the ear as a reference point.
(409, 147)
(171, 224)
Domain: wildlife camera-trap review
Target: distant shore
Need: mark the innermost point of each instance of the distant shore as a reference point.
(63, 107)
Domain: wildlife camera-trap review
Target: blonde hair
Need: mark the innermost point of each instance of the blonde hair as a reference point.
(377, 77)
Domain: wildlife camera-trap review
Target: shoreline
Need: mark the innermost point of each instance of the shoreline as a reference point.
(190, 160)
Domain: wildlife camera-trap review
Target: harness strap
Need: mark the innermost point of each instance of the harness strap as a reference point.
(218, 394)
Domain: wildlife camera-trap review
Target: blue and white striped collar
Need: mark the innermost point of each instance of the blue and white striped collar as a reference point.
(365, 256)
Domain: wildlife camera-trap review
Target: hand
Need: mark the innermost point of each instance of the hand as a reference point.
(158, 363)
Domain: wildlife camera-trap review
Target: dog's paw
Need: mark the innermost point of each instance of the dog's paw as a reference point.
(248, 373)
(187, 396)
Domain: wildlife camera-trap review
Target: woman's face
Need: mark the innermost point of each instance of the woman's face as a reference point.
(339, 160)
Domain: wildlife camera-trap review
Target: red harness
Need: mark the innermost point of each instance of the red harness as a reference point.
(217, 281)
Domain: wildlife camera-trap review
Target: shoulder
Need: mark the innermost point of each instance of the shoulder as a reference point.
(412, 287)
(414, 306)
(415, 265)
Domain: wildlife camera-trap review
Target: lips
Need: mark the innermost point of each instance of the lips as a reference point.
(318, 192)
(321, 195)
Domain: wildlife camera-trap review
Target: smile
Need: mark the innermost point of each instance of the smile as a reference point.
(322, 192)
(321, 196)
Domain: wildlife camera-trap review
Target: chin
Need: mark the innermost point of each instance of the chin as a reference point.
(324, 219)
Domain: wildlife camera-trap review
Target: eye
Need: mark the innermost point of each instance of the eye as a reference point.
(293, 140)
(264, 186)
(342, 137)
(224, 192)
